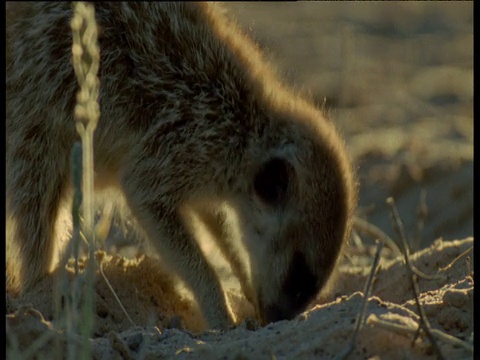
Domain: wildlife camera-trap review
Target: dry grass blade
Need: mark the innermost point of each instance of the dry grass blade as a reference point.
(367, 291)
(86, 60)
(424, 323)
(76, 161)
(368, 287)
(371, 230)
(100, 266)
(74, 243)
(422, 213)
(373, 320)
(456, 259)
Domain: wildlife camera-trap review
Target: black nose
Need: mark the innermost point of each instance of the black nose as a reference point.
(298, 290)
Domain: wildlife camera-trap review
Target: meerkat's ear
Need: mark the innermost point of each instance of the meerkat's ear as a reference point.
(273, 180)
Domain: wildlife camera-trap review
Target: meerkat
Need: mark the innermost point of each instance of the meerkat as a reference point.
(193, 118)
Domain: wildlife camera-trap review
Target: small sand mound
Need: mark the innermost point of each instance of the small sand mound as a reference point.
(164, 317)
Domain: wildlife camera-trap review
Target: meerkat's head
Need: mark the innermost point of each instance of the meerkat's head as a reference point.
(295, 217)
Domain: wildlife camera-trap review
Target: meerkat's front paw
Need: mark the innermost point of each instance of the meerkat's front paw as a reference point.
(218, 317)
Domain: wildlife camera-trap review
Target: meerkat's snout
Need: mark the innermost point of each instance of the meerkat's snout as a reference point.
(297, 221)
(299, 287)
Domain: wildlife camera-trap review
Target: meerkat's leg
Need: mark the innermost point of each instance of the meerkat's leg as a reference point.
(217, 224)
(184, 255)
(35, 185)
(166, 231)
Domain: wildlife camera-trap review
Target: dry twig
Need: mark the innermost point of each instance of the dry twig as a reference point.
(100, 266)
(367, 291)
(455, 260)
(424, 323)
(371, 230)
(373, 320)
(375, 232)
(422, 213)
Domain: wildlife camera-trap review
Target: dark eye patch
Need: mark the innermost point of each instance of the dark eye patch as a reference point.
(271, 181)
(300, 285)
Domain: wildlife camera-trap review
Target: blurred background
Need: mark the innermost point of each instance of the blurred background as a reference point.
(397, 79)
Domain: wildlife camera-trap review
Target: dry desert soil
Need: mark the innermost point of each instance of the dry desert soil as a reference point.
(397, 79)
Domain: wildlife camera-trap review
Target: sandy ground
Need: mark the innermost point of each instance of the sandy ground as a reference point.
(397, 78)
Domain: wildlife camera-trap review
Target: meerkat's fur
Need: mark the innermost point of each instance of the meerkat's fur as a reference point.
(192, 119)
